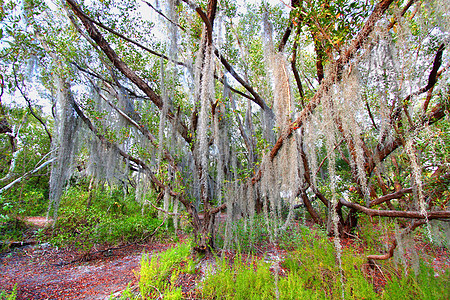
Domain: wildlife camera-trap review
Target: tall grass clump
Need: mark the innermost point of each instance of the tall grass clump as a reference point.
(310, 271)
(159, 273)
(239, 280)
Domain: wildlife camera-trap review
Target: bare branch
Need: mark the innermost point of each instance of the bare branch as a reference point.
(397, 214)
(163, 15)
(24, 176)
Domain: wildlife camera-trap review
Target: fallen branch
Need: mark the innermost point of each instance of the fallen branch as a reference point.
(26, 175)
(390, 252)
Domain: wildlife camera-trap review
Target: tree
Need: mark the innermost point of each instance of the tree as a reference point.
(232, 111)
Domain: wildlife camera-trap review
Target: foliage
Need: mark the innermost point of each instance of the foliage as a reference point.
(110, 218)
(10, 296)
(159, 273)
(311, 272)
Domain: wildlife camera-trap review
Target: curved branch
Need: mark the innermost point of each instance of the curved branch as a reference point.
(444, 214)
(390, 253)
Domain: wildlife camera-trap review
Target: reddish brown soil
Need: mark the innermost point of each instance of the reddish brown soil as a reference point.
(40, 273)
(44, 272)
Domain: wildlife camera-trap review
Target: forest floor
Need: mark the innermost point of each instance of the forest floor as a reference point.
(42, 271)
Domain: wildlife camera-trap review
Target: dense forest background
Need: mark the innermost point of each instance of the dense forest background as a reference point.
(231, 121)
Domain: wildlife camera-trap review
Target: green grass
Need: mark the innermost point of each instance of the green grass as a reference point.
(159, 273)
(313, 273)
(9, 296)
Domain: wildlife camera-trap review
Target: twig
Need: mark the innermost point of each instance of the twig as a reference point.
(29, 105)
(163, 15)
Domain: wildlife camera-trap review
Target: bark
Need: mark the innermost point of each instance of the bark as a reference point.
(297, 75)
(390, 252)
(445, 214)
(317, 219)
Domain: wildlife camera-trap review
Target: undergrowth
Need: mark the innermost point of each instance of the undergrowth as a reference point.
(108, 217)
(9, 296)
(310, 271)
(307, 270)
(159, 273)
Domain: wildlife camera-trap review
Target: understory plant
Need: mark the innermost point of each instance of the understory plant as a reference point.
(311, 271)
(104, 216)
(9, 296)
(159, 273)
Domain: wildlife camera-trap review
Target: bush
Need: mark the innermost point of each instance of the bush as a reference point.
(105, 216)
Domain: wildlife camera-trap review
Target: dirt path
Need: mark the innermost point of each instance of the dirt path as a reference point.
(40, 273)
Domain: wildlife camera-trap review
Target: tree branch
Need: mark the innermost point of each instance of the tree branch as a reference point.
(406, 231)
(163, 15)
(203, 16)
(444, 214)
(26, 175)
(257, 98)
(29, 105)
(124, 68)
(388, 197)
(101, 25)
